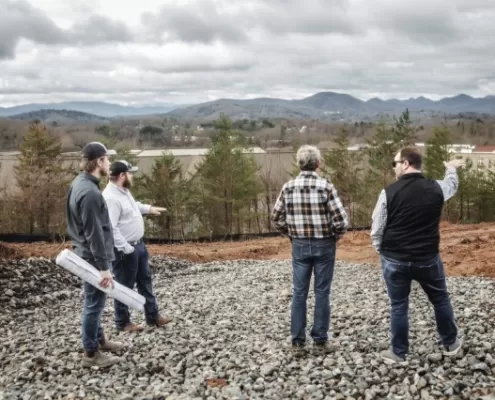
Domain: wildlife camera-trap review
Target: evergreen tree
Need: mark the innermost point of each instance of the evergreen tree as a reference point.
(437, 151)
(227, 182)
(345, 170)
(166, 186)
(404, 131)
(381, 150)
(42, 179)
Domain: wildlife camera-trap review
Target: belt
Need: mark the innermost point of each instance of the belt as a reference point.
(134, 243)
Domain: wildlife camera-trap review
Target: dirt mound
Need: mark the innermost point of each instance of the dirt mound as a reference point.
(36, 249)
(465, 249)
(8, 252)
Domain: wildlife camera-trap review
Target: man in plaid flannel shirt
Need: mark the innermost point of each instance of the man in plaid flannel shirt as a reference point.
(310, 212)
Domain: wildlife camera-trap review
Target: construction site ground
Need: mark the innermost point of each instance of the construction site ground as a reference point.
(467, 250)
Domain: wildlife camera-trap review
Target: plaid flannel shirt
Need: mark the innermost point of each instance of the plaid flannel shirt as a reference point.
(308, 206)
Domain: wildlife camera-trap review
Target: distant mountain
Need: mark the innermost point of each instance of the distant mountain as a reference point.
(91, 107)
(251, 109)
(330, 101)
(325, 106)
(331, 105)
(59, 116)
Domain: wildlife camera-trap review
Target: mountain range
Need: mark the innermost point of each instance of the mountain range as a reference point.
(331, 105)
(101, 109)
(324, 105)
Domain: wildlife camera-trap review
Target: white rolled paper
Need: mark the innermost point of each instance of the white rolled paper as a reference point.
(84, 270)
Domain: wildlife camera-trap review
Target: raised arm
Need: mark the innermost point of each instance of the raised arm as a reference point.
(379, 221)
(450, 183)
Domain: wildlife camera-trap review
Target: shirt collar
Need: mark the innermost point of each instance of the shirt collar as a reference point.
(122, 190)
(412, 175)
(92, 178)
(308, 173)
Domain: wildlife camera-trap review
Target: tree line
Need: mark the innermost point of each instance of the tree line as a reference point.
(228, 194)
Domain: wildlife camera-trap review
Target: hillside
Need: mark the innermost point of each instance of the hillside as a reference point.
(101, 109)
(325, 106)
(334, 106)
(58, 116)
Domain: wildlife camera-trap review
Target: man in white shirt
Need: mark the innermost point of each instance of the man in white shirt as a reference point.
(131, 266)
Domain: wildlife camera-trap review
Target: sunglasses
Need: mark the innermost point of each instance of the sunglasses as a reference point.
(394, 163)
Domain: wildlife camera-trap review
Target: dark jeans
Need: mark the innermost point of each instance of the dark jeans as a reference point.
(310, 255)
(431, 276)
(94, 304)
(130, 270)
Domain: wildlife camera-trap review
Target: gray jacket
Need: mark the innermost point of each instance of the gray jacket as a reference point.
(88, 222)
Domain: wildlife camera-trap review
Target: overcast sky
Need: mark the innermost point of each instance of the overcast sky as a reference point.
(155, 51)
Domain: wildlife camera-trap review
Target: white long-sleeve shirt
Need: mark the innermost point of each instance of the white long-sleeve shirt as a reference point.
(449, 187)
(126, 216)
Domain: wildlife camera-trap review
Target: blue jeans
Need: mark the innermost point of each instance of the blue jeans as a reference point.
(309, 255)
(133, 270)
(430, 275)
(94, 304)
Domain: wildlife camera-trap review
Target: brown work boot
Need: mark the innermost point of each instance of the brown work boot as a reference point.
(114, 347)
(160, 321)
(132, 327)
(99, 360)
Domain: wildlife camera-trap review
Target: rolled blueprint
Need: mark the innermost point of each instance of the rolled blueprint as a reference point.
(84, 270)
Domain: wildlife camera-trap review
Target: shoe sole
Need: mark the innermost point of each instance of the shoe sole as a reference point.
(129, 330)
(322, 351)
(393, 362)
(460, 338)
(159, 326)
(119, 350)
(298, 353)
(106, 365)
(453, 352)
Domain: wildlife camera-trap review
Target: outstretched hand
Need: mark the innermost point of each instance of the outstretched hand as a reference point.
(455, 163)
(157, 210)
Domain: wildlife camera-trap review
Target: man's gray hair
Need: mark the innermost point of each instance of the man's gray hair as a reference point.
(308, 158)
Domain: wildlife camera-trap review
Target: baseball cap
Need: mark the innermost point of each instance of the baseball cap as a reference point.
(95, 150)
(121, 166)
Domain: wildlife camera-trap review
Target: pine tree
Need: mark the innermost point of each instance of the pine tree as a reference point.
(227, 182)
(345, 170)
(42, 179)
(403, 131)
(381, 150)
(437, 151)
(166, 186)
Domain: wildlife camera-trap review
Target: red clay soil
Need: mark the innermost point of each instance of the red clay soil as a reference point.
(466, 249)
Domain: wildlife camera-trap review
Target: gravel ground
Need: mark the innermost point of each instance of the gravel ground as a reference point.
(230, 338)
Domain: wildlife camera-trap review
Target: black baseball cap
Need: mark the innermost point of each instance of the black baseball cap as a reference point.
(95, 150)
(121, 166)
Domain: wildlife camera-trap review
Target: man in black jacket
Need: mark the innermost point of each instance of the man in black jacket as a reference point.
(405, 232)
(90, 230)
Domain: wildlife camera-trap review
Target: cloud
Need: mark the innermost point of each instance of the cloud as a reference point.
(99, 29)
(426, 21)
(200, 50)
(202, 23)
(18, 19)
(310, 17)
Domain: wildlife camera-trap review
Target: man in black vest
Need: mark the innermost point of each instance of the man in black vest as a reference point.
(405, 232)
